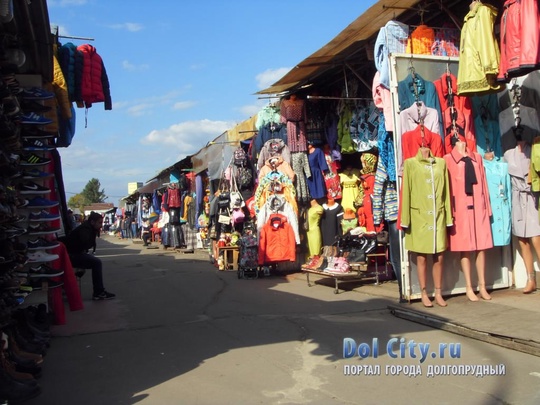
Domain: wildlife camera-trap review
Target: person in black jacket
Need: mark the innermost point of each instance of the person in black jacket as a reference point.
(78, 243)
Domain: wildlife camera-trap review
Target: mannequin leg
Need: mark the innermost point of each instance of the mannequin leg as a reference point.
(481, 272)
(421, 265)
(437, 278)
(466, 269)
(527, 255)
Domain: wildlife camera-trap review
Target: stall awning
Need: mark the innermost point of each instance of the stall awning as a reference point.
(335, 53)
(244, 130)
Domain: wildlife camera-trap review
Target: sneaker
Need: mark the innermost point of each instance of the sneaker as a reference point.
(34, 106)
(43, 216)
(33, 160)
(35, 174)
(33, 188)
(34, 119)
(36, 93)
(36, 132)
(41, 256)
(103, 296)
(44, 271)
(41, 243)
(41, 229)
(35, 144)
(39, 202)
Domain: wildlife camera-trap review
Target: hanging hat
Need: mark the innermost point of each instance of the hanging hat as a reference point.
(369, 162)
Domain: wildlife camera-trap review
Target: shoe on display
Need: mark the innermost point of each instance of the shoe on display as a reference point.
(34, 119)
(36, 93)
(41, 243)
(41, 229)
(35, 174)
(104, 295)
(34, 106)
(32, 188)
(39, 202)
(35, 144)
(42, 216)
(36, 132)
(33, 160)
(41, 256)
(44, 271)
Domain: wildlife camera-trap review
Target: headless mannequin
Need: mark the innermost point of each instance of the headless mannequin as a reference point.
(466, 257)
(526, 246)
(421, 268)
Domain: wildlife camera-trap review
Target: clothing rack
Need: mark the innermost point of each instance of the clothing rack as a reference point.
(340, 98)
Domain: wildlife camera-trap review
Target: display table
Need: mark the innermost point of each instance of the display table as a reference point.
(230, 257)
(371, 269)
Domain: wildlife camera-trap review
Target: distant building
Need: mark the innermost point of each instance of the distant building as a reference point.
(133, 186)
(101, 208)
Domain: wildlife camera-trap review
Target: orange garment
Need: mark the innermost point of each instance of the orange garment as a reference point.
(421, 40)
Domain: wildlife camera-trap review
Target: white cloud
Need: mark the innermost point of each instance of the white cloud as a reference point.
(270, 76)
(184, 105)
(131, 67)
(131, 27)
(197, 66)
(250, 110)
(189, 136)
(139, 109)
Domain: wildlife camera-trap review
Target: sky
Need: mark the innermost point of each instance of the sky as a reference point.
(181, 73)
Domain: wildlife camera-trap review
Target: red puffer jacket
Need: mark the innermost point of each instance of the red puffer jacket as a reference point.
(520, 39)
(276, 241)
(94, 81)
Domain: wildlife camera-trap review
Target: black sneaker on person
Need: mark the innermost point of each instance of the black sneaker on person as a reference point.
(104, 295)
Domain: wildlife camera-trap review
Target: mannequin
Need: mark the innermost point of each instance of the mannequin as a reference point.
(471, 233)
(314, 236)
(525, 224)
(426, 188)
(331, 221)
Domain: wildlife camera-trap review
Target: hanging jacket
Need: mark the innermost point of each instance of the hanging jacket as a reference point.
(280, 165)
(276, 241)
(273, 147)
(276, 204)
(94, 83)
(520, 39)
(71, 63)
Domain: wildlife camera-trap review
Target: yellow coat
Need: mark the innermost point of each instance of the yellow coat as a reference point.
(479, 53)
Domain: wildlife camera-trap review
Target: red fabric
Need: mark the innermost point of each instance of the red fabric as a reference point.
(277, 242)
(412, 141)
(94, 81)
(520, 38)
(70, 286)
(464, 117)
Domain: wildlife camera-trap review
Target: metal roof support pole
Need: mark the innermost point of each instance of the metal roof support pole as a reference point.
(364, 82)
(346, 84)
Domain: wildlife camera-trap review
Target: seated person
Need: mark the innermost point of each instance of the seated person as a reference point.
(146, 234)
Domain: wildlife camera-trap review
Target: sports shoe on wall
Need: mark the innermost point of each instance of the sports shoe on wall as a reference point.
(33, 188)
(34, 119)
(36, 93)
(33, 160)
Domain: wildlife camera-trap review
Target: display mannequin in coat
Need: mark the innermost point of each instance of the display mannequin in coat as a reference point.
(424, 215)
(471, 210)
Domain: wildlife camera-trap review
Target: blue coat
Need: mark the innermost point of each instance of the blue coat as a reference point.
(500, 198)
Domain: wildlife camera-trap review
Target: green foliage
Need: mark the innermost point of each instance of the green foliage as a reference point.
(76, 201)
(92, 194)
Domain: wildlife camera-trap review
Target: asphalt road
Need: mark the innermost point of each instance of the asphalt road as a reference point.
(182, 332)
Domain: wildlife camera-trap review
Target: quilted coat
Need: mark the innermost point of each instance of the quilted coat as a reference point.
(277, 241)
(95, 83)
(471, 213)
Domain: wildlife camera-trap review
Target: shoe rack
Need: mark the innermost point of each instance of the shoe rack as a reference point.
(31, 218)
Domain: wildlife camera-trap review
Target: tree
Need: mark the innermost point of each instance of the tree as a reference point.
(92, 194)
(76, 201)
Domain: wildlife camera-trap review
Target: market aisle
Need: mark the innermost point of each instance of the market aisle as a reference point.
(181, 332)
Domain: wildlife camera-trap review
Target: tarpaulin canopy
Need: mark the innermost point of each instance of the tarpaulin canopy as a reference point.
(355, 43)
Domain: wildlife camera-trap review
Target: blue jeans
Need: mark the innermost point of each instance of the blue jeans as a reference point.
(395, 255)
(88, 261)
(133, 231)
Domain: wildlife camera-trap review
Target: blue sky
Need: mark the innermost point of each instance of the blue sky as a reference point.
(181, 73)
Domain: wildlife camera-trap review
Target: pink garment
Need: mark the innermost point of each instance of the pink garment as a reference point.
(383, 101)
(472, 228)
(410, 118)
